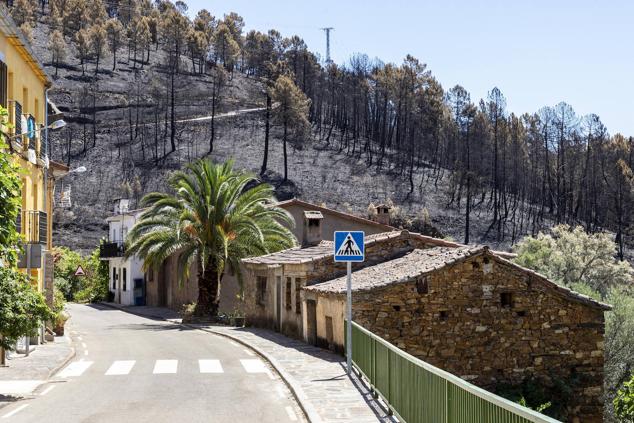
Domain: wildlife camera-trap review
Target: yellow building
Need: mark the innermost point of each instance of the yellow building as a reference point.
(23, 92)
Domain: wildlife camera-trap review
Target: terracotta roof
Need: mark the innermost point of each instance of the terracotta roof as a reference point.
(420, 262)
(403, 269)
(307, 205)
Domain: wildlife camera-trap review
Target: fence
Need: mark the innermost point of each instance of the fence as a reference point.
(418, 392)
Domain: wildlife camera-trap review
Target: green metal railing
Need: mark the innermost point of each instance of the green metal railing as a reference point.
(418, 392)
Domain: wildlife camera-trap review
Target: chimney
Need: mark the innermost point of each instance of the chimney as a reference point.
(312, 228)
(121, 205)
(383, 214)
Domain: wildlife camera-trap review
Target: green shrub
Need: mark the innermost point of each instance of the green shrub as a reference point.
(624, 402)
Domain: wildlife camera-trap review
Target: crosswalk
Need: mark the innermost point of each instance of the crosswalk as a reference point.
(162, 367)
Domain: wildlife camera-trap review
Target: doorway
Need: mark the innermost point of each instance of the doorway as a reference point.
(278, 303)
(311, 322)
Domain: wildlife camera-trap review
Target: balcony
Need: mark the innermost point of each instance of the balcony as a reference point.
(111, 250)
(35, 225)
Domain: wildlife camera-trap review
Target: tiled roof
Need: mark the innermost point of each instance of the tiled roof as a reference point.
(420, 262)
(403, 269)
(325, 249)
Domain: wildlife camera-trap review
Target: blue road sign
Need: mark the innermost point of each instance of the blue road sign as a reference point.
(349, 246)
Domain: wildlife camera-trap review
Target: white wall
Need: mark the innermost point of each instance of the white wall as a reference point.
(133, 270)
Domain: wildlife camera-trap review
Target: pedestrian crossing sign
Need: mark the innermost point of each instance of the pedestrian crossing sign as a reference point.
(349, 246)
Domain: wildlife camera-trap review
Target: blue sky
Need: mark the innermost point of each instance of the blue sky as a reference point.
(537, 52)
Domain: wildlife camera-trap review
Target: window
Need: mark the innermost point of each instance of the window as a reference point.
(289, 287)
(444, 315)
(422, 287)
(125, 279)
(114, 278)
(506, 300)
(3, 85)
(298, 299)
(260, 294)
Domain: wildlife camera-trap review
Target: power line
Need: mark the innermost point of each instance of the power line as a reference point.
(327, 31)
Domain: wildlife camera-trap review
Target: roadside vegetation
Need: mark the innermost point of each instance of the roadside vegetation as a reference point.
(587, 263)
(92, 287)
(22, 307)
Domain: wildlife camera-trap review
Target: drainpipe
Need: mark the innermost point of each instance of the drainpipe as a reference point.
(44, 203)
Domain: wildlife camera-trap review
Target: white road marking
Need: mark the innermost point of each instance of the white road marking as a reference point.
(210, 366)
(280, 391)
(120, 367)
(17, 410)
(249, 352)
(47, 390)
(291, 413)
(19, 387)
(165, 366)
(254, 365)
(75, 369)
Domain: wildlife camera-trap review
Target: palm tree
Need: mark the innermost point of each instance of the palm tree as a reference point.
(213, 219)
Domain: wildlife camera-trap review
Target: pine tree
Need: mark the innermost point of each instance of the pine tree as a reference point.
(82, 40)
(98, 43)
(114, 29)
(291, 111)
(57, 46)
(23, 11)
(225, 46)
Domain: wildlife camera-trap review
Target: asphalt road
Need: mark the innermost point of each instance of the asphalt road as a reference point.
(133, 369)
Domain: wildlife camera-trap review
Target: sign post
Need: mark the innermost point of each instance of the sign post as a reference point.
(349, 248)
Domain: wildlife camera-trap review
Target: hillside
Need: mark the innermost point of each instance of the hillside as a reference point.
(118, 128)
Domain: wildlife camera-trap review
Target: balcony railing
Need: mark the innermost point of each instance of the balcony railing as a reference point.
(35, 224)
(111, 249)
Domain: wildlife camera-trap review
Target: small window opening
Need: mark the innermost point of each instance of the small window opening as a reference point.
(485, 260)
(444, 314)
(521, 313)
(298, 297)
(397, 308)
(422, 287)
(476, 265)
(506, 300)
(261, 290)
(289, 287)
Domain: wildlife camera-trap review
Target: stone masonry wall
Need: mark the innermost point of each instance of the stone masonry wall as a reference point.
(461, 326)
(264, 314)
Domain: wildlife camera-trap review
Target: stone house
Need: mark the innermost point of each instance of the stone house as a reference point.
(313, 223)
(464, 309)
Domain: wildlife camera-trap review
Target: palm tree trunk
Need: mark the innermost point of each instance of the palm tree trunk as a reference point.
(208, 288)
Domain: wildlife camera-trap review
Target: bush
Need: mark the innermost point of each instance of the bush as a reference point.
(624, 402)
(92, 287)
(22, 308)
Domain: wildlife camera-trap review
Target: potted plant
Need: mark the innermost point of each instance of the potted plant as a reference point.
(236, 318)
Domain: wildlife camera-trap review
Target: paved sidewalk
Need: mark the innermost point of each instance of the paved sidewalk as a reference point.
(317, 376)
(24, 374)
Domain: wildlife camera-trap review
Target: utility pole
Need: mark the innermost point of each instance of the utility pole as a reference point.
(327, 31)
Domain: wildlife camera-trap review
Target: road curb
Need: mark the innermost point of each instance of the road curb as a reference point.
(59, 367)
(302, 399)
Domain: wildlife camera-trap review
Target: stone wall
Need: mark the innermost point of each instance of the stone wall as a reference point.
(265, 314)
(489, 323)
